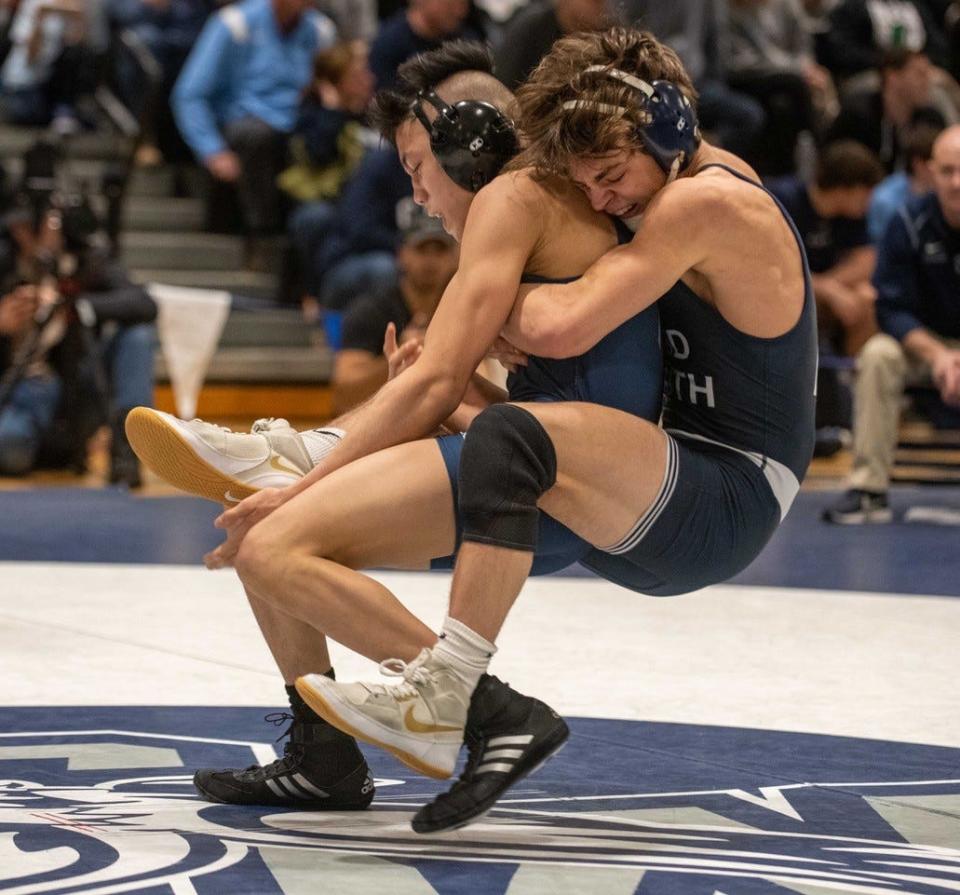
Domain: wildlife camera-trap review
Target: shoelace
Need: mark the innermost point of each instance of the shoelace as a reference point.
(413, 673)
(268, 423)
(226, 429)
(278, 764)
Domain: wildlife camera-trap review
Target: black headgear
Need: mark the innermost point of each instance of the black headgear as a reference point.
(671, 133)
(471, 139)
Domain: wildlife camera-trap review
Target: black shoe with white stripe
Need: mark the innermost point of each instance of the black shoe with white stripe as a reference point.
(508, 736)
(858, 507)
(322, 769)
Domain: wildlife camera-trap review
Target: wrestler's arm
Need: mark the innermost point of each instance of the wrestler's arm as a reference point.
(565, 320)
(498, 239)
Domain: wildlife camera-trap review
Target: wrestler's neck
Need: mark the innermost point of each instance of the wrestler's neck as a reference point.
(707, 155)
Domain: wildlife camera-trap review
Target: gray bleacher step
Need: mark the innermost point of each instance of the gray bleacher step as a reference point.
(283, 327)
(154, 213)
(159, 181)
(181, 251)
(163, 180)
(305, 366)
(15, 141)
(238, 282)
(191, 251)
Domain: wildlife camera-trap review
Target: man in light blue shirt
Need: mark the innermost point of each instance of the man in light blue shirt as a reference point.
(238, 94)
(896, 190)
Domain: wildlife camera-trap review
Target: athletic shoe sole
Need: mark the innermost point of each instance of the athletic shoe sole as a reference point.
(329, 713)
(538, 758)
(163, 450)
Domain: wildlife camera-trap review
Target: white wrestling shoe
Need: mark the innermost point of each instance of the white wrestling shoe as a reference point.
(420, 721)
(214, 462)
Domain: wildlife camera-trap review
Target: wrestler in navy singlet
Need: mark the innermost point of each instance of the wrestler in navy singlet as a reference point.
(623, 371)
(739, 411)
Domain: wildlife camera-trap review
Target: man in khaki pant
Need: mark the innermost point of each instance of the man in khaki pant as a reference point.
(918, 309)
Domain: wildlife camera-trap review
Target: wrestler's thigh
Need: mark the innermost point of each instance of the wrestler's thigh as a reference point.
(392, 509)
(610, 466)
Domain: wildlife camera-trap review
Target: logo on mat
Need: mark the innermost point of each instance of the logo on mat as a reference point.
(103, 811)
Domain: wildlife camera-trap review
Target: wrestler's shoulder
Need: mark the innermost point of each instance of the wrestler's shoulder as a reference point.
(714, 197)
(526, 186)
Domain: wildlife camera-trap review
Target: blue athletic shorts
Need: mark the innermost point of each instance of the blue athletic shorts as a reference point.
(557, 546)
(713, 515)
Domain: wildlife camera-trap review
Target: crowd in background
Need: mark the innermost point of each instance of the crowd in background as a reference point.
(836, 104)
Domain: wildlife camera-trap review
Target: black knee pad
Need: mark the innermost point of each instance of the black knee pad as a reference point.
(508, 461)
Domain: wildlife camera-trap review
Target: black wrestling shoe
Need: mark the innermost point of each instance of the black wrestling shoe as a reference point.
(322, 769)
(508, 736)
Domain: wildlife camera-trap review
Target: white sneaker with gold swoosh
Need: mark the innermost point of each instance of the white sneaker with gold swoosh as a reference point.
(214, 462)
(420, 720)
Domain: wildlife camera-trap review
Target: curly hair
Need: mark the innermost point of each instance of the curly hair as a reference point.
(607, 115)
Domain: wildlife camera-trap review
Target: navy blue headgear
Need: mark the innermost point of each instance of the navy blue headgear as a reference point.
(472, 140)
(671, 133)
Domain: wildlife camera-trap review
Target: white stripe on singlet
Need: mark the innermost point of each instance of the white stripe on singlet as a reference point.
(644, 523)
(779, 477)
(783, 483)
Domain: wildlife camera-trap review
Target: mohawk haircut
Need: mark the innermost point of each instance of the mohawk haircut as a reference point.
(458, 70)
(555, 133)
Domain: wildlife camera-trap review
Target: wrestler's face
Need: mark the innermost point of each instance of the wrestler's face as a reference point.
(619, 183)
(432, 188)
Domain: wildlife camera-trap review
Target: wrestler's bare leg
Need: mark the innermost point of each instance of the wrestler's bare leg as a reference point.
(394, 509)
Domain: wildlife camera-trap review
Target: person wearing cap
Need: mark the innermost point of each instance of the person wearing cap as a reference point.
(426, 260)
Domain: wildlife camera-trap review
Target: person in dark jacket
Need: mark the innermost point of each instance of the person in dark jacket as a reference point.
(74, 354)
(918, 309)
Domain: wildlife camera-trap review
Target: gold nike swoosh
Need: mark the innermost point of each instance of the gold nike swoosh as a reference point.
(415, 726)
(281, 467)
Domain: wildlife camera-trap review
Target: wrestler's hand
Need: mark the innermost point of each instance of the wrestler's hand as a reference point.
(399, 358)
(508, 355)
(237, 521)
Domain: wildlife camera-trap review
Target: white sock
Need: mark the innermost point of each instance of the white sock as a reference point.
(319, 442)
(464, 650)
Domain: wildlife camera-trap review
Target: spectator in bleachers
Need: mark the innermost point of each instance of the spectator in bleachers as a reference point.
(426, 260)
(48, 67)
(237, 98)
(355, 19)
(357, 254)
(918, 308)
(422, 26)
(699, 32)
(327, 145)
(90, 368)
(529, 35)
(951, 21)
(878, 117)
(830, 214)
(896, 189)
(862, 32)
(30, 409)
(772, 59)
(168, 29)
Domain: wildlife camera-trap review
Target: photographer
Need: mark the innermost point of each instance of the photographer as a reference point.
(29, 414)
(76, 352)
